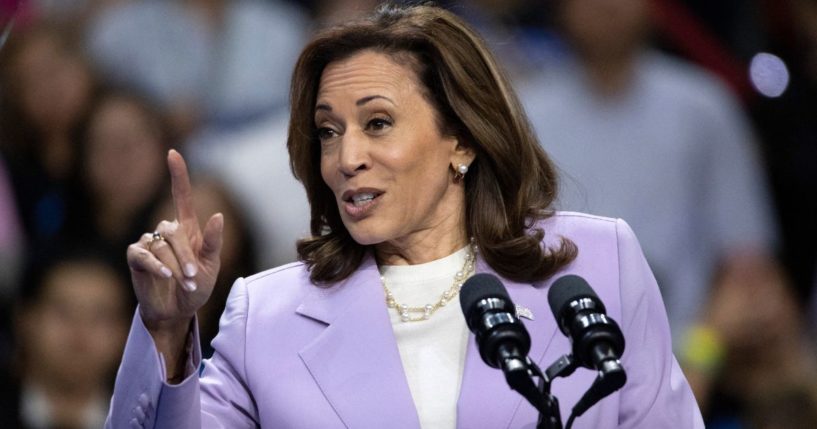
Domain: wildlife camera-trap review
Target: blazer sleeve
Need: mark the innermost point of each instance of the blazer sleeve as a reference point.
(220, 398)
(657, 394)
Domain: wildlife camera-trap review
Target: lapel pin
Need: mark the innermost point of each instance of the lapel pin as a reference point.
(524, 312)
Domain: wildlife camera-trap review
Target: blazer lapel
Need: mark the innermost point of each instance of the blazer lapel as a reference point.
(486, 400)
(355, 360)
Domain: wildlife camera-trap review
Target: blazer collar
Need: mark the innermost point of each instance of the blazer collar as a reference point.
(355, 361)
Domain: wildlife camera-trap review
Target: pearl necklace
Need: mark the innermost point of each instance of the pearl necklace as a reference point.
(427, 310)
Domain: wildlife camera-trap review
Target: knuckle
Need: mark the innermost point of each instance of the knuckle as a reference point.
(172, 231)
(165, 226)
(157, 245)
(133, 249)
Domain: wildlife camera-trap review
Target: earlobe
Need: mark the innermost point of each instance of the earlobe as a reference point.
(460, 170)
(461, 159)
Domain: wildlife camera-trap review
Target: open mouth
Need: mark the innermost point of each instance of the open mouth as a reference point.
(359, 202)
(360, 197)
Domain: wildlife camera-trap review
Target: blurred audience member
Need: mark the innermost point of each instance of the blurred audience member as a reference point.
(788, 126)
(237, 251)
(656, 141)
(255, 162)
(46, 86)
(123, 143)
(332, 12)
(74, 11)
(519, 31)
(207, 60)
(71, 324)
(751, 361)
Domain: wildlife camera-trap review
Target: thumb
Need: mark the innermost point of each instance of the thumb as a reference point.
(212, 238)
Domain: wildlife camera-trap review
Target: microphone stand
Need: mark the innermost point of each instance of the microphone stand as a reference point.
(520, 376)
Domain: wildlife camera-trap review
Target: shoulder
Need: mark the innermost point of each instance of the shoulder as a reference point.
(286, 282)
(607, 250)
(579, 227)
(600, 240)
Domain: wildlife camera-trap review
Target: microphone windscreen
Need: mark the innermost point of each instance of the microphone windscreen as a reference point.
(479, 287)
(566, 289)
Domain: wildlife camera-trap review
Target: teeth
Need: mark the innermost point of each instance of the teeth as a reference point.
(361, 199)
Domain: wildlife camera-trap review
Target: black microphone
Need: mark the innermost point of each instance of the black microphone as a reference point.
(596, 339)
(490, 314)
(503, 341)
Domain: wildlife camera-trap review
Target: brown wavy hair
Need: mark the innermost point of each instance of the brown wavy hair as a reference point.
(509, 186)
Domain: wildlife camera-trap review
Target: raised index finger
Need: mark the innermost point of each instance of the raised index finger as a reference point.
(181, 189)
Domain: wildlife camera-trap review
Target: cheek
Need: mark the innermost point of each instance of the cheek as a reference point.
(108, 340)
(51, 334)
(425, 164)
(327, 172)
(423, 184)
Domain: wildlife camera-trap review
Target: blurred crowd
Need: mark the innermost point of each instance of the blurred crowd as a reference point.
(694, 121)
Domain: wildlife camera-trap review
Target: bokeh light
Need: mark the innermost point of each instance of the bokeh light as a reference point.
(769, 74)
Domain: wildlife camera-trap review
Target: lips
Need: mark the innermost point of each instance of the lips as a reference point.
(358, 203)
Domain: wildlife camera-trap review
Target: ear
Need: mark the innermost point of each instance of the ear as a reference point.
(463, 153)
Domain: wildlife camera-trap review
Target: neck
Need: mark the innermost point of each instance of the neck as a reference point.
(420, 247)
(115, 219)
(57, 156)
(610, 75)
(67, 402)
(442, 234)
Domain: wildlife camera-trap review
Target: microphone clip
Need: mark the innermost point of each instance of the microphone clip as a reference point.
(520, 374)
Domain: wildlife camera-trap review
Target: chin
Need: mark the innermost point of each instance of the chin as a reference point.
(365, 238)
(365, 235)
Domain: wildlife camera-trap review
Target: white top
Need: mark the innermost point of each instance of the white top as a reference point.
(433, 350)
(36, 410)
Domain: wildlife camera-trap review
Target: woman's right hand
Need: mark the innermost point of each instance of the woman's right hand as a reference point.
(173, 276)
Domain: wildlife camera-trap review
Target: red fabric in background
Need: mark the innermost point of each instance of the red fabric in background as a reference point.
(695, 41)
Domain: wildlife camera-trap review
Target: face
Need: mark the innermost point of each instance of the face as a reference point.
(74, 334)
(383, 154)
(125, 155)
(55, 84)
(605, 27)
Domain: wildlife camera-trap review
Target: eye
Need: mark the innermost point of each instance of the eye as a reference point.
(378, 124)
(325, 133)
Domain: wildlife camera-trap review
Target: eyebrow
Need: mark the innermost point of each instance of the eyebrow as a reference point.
(365, 100)
(359, 102)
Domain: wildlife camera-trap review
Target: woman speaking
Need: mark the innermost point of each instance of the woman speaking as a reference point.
(421, 170)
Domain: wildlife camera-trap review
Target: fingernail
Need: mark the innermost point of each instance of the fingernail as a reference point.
(166, 272)
(190, 270)
(221, 222)
(190, 285)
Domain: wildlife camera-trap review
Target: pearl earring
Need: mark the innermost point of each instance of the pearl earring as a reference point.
(460, 172)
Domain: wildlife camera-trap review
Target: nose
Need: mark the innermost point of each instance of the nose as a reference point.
(354, 154)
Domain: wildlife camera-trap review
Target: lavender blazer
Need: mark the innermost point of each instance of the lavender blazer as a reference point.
(291, 355)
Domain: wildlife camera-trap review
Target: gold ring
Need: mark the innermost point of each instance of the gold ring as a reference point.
(154, 238)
